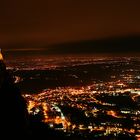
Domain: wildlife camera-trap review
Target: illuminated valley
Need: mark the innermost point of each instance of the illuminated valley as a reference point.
(84, 97)
(91, 106)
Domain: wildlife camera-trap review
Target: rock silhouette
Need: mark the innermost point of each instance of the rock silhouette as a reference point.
(13, 112)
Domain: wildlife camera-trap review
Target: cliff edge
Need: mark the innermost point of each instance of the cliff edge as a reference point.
(13, 112)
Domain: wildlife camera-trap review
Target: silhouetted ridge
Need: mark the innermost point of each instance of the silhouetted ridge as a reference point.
(127, 44)
(13, 116)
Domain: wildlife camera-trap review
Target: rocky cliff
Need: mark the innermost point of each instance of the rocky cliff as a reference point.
(13, 113)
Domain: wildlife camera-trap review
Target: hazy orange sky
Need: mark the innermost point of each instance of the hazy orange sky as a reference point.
(56, 21)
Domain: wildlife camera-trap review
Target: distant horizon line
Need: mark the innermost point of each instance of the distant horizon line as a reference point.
(24, 45)
(23, 49)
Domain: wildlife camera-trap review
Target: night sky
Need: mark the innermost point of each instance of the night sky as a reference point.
(33, 23)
